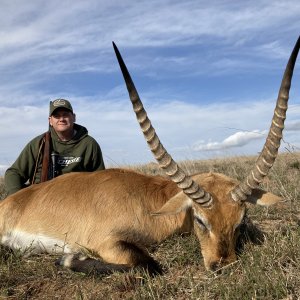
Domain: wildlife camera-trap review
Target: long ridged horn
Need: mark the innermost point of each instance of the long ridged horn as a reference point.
(272, 144)
(164, 159)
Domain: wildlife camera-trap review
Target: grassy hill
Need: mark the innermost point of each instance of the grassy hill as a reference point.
(267, 271)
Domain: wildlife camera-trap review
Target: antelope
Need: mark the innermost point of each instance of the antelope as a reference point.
(117, 214)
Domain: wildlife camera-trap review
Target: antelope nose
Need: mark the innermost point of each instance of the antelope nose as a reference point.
(214, 266)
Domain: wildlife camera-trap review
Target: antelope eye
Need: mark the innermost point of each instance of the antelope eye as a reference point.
(200, 222)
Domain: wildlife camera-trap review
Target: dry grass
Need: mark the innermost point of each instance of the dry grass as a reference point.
(268, 271)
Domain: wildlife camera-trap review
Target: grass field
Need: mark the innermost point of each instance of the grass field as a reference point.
(267, 271)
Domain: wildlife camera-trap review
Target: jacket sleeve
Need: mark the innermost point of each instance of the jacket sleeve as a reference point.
(98, 159)
(94, 158)
(22, 169)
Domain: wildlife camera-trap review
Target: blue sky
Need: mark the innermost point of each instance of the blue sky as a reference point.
(208, 73)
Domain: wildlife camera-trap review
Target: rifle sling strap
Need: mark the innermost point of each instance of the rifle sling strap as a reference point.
(46, 157)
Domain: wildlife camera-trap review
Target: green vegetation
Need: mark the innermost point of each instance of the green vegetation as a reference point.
(267, 271)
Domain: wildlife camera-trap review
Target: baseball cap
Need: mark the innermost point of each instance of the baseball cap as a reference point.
(60, 103)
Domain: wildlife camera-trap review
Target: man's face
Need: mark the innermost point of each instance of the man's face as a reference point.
(62, 120)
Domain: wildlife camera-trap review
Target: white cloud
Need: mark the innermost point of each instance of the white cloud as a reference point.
(40, 41)
(238, 139)
(59, 30)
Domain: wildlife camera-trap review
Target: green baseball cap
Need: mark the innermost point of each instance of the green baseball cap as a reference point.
(60, 103)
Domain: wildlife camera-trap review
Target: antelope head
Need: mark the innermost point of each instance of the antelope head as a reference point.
(216, 203)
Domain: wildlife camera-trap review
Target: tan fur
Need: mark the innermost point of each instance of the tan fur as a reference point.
(103, 211)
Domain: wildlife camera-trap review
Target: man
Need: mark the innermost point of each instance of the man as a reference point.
(67, 147)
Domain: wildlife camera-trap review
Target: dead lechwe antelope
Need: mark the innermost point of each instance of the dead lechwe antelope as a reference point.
(117, 214)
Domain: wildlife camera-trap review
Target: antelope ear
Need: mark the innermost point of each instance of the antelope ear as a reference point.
(263, 198)
(180, 202)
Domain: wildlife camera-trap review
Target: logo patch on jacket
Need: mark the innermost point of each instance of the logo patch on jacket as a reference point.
(67, 160)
